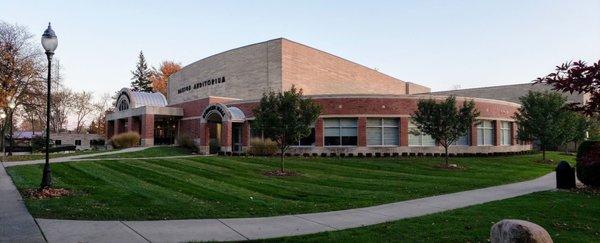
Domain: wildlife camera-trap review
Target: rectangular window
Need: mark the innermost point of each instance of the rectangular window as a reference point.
(57, 142)
(340, 132)
(383, 132)
(309, 140)
(485, 133)
(505, 133)
(78, 142)
(463, 140)
(422, 139)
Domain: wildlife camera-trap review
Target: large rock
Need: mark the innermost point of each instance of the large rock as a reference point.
(514, 230)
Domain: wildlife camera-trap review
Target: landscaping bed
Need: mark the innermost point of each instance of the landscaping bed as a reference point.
(216, 186)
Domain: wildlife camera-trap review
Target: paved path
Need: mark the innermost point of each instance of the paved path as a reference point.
(16, 224)
(72, 158)
(270, 227)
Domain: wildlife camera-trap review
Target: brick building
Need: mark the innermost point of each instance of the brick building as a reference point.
(364, 111)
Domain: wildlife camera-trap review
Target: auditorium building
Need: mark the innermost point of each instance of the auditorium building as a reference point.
(364, 110)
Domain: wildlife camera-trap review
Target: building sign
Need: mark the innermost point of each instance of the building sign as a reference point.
(217, 108)
(201, 84)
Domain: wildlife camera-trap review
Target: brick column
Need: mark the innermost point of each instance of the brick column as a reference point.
(513, 133)
(404, 132)
(116, 127)
(130, 124)
(147, 134)
(474, 134)
(246, 134)
(226, 133)
(319, 132)
(362, 131)
(109, 129)
(497, 133)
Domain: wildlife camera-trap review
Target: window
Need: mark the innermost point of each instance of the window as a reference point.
(505, 133)
(485, 133)
(78, 142)
(57, 142)
(382, 132)
(463, 140)
(418, 140)
(123, 105)
(340, 132)
(308, 140)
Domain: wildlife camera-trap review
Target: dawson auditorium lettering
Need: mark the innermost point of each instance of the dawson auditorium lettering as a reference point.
(201, 84)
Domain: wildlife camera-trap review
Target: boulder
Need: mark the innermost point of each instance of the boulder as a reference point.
(514, 230)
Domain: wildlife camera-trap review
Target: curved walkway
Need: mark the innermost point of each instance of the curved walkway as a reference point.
(231, 229)
(72, 158)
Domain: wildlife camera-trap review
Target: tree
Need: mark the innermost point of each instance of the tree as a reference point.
(285, 118)
(62, 103)
(541, 117)
(141, 75)
(575, 127)
(98, 125)
(577, 77)
(82, 106)
(444, 121)
(160, 77)
(20, 69)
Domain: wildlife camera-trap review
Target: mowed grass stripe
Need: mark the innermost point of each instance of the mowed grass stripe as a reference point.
(219, 187)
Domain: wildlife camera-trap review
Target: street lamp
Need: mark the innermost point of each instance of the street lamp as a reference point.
(49, 42)
(2, 116)
(11, 107)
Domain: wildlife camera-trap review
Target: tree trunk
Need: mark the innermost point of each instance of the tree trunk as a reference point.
(544, 153)
(446, 155)
(282, 156)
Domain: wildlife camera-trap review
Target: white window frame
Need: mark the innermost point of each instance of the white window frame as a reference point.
(411, 127)
(382, 126)
(297, 145)
(481, 128)
(507, 130)
(340, 127)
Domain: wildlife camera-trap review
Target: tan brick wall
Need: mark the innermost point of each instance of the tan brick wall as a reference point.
(248, 72)
(276, 65)
(318, 72)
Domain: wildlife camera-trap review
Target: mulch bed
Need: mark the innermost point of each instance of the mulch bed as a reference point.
(47, 193)
(449, 166)
(279, 173)
(581, 188)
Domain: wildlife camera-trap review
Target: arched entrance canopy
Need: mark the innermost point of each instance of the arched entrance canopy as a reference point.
(227, 114)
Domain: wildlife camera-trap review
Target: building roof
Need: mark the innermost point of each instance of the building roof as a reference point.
(139, 99)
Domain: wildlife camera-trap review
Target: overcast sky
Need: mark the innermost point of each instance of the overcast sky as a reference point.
(440, 44)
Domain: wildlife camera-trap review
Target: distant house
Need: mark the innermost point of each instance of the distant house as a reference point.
(82, 141)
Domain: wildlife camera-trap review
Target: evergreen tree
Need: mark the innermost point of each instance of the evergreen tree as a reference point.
(141, 76)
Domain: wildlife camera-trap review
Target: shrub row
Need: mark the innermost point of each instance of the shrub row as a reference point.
(125, 140)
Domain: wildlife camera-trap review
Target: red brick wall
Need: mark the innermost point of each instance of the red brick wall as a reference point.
(404, 121)
(319, 132)
(362, 131)
(147, 127)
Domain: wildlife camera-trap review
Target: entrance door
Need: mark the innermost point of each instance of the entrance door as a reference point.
(237, 137)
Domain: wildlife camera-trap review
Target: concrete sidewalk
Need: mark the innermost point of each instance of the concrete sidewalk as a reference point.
(270, 227)
(72, 158)
(16, 224)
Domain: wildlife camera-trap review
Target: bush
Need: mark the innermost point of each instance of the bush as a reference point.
(187, 142)
(262, 147)
(38, 144)
(588, 163)
(125, 140)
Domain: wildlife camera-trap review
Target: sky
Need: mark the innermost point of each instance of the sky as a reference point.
(440, 44)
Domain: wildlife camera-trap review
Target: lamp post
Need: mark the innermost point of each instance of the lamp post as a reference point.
(11, 107)
(49, 42)
(2, 116)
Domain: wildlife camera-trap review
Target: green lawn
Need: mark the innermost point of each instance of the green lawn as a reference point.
(210, 187)
(38, 156)
(160, 151)
(567, 216)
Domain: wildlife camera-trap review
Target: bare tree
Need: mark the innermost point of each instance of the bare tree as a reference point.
(82, 107)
